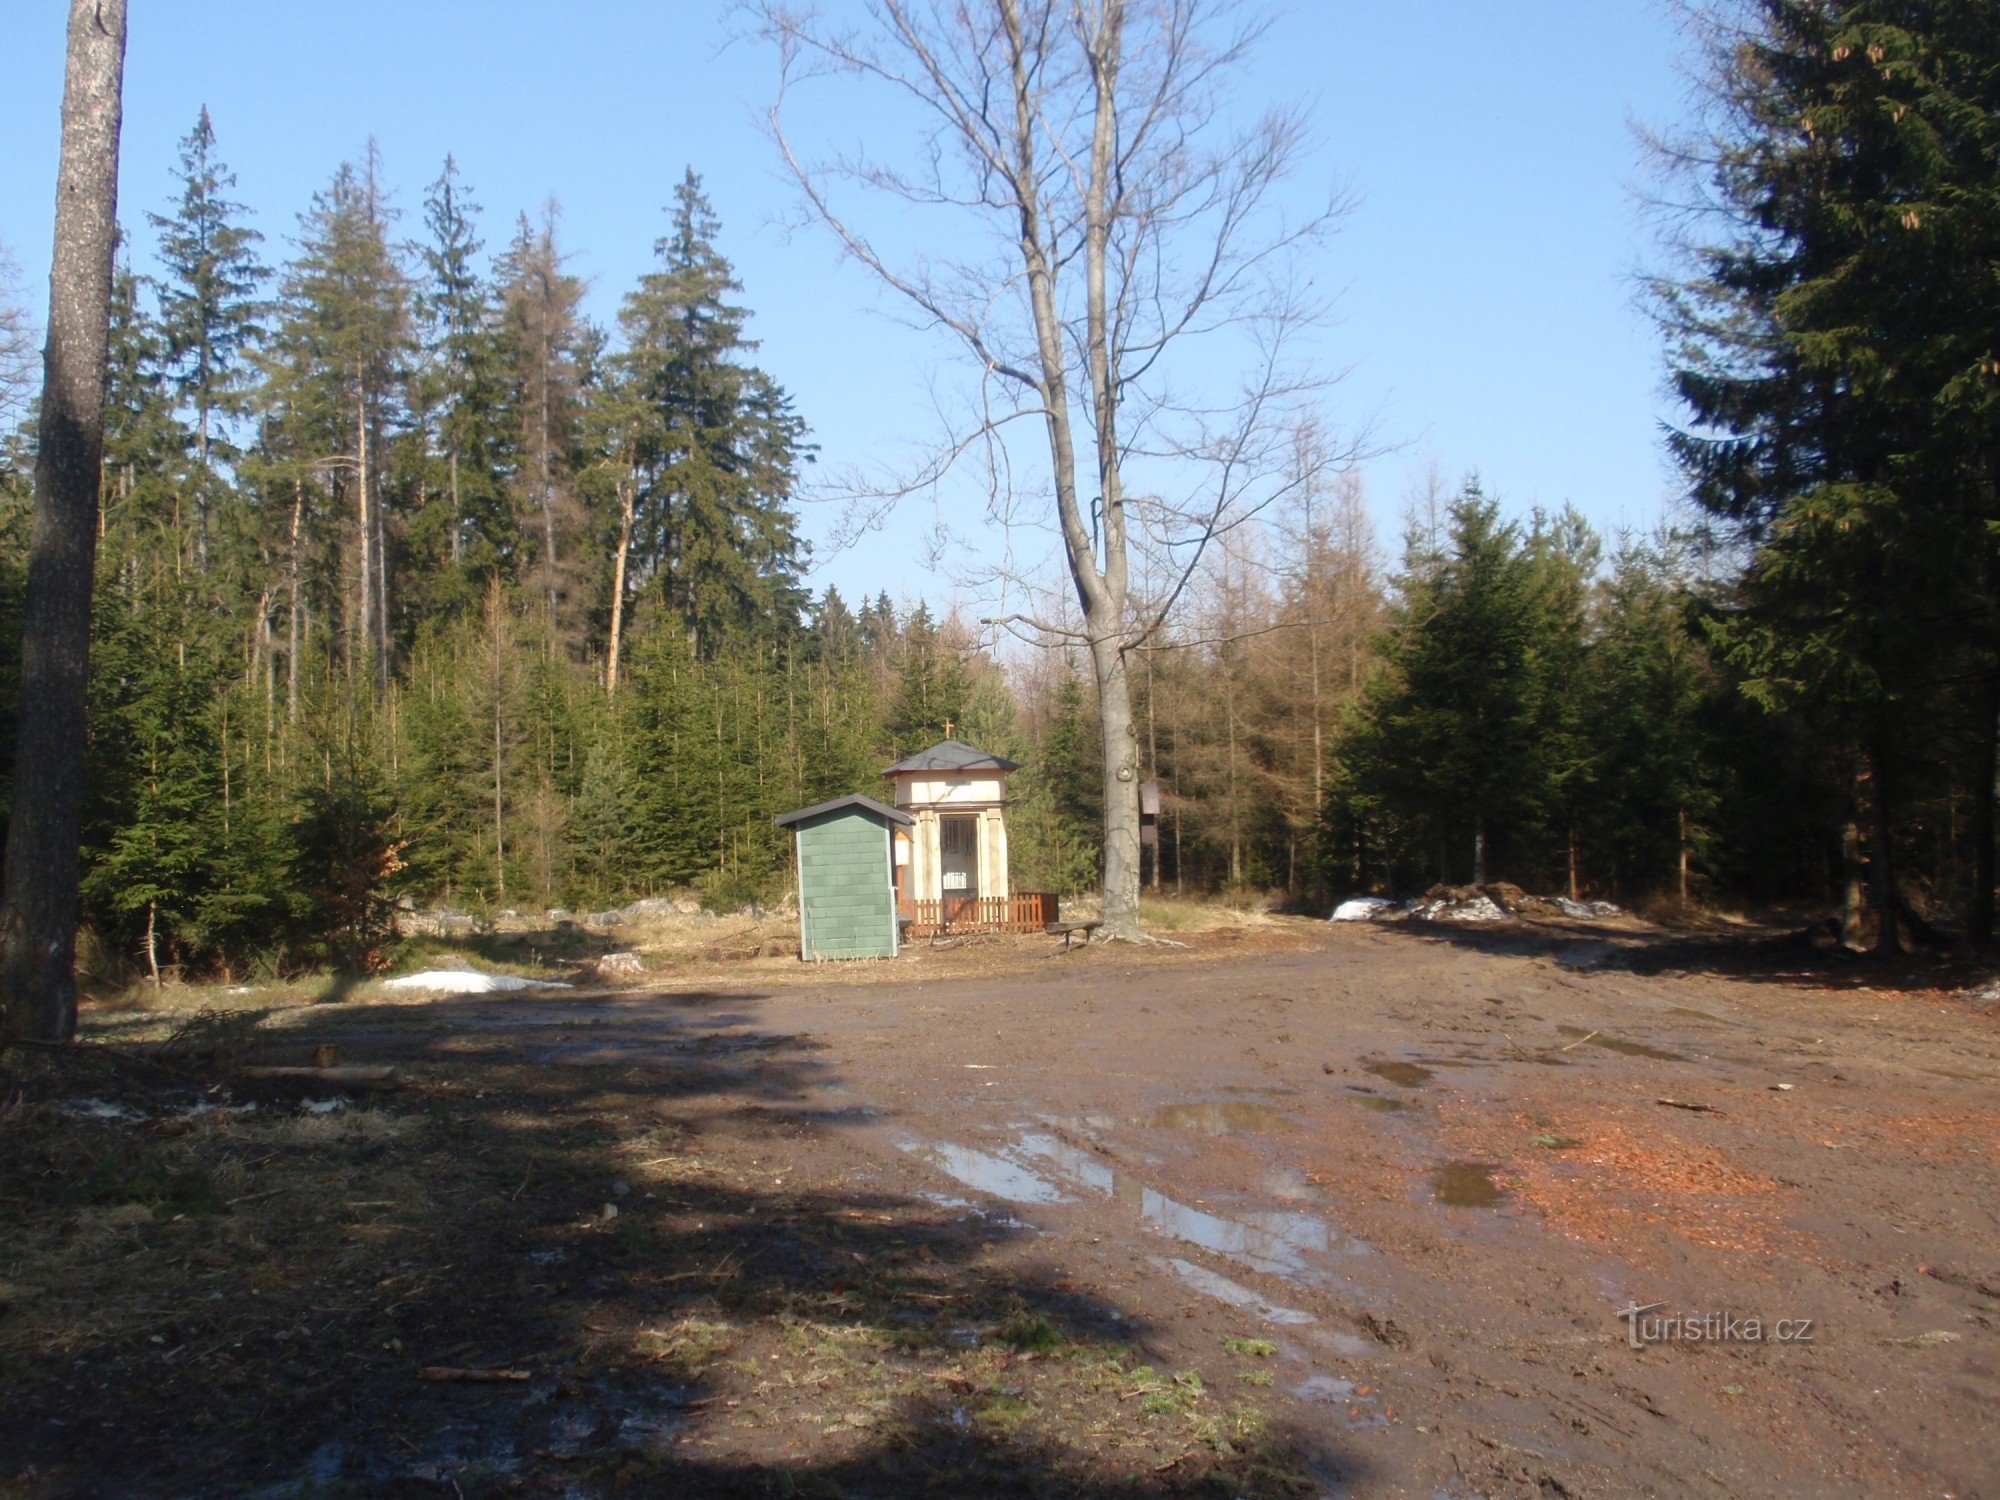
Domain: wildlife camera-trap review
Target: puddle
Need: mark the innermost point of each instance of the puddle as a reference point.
(1287, 1183)
(1324, 1388)
(1404, 1074)
(1219, 1117)
(1278, 1242)
(1622, 1044)
(1275, 1242)
(1234, 1293)
(1467, 1184)
(1355, 1402)
(986, 1173)
(1380, 1103)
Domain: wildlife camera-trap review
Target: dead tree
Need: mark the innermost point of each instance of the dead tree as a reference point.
(38, 916)
(1122, 222)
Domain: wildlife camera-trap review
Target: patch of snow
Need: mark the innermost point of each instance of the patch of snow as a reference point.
(1362, 909)
(205, 1108)
(468, 982)
(1478, 909)
(1571, 908)
(99, 1109)
(323, 1106)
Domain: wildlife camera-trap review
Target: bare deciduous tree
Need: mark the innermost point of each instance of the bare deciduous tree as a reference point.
(17, 344)
(38, 917)
(1104, 244)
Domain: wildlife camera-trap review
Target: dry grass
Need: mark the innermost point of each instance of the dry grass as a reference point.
(1199, 914)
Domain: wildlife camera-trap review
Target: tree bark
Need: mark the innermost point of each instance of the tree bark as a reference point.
(364, 622)
(39, 912)
(1882, 861)
(627, 492)
(292, 620)
(1986, 769)
(1854, 899)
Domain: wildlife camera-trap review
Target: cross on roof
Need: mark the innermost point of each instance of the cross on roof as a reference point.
(947, 729)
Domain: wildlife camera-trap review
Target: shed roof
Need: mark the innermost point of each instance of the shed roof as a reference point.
(951, 755)
(852, 799)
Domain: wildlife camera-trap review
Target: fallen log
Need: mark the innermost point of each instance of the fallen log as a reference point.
(452, 1372)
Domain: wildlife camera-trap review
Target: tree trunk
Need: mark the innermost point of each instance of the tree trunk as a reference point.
(202, 472)
(457, 513)
(627, 493)
(547, 467)
(493, 605)
(364, 530)
(39, 912)
(1479, 848)
(1682, 834)
(381, 584)
(1120, 913)
(1882, 860)
(292, 623)
(152, 943)
(1986, 769)
(1153, 769)
(1855, 901)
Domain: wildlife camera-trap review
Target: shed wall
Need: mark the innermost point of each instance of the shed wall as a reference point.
(846, 907)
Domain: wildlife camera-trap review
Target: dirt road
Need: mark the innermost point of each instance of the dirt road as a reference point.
(1354, 1211)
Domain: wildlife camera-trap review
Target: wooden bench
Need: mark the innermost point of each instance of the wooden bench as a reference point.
(1068, 930)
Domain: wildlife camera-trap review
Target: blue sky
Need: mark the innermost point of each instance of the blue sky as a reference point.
(1486, 312)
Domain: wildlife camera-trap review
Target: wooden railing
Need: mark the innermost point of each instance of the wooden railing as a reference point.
(1023, 911)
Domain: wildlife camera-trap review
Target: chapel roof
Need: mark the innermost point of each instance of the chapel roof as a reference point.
(951, 756)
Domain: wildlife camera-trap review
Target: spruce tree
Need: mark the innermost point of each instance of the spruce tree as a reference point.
(344, 321)
(932, 686)
(1833, 341)
(541, 334)
(467, 526)
(1447, 738)
(209, 311)
(718, 452)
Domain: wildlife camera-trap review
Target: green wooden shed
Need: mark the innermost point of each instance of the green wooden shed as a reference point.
(847, 877)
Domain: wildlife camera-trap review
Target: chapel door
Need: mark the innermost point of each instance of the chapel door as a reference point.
(958, 865)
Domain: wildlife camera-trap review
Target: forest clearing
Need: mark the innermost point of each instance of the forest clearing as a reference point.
(1299, 1208)
(1061, 748)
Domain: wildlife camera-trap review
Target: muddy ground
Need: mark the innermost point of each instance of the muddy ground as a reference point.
(1300, 1210)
